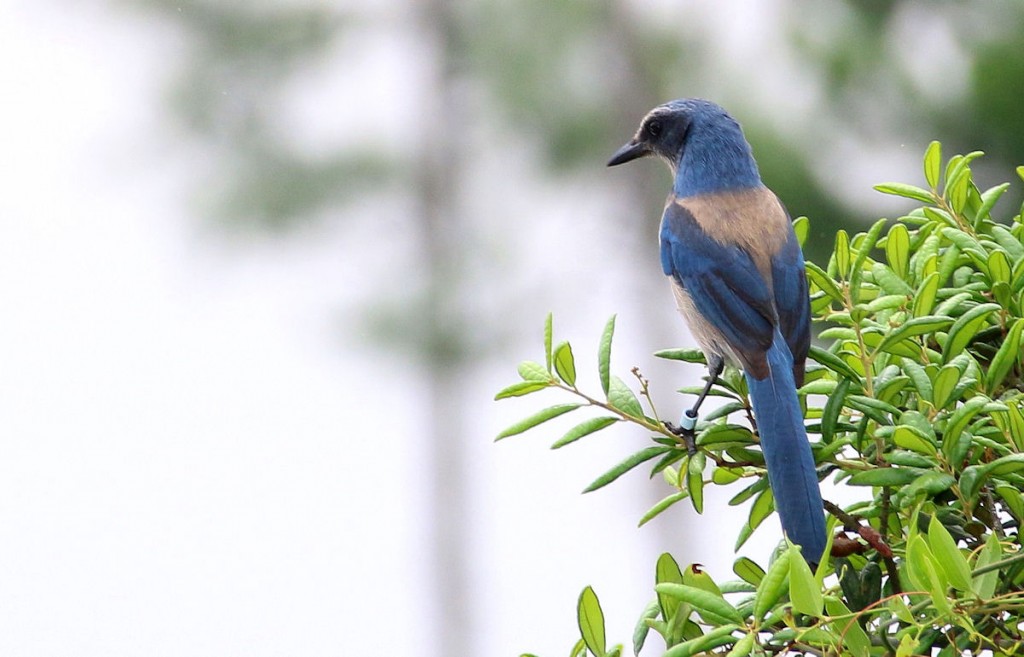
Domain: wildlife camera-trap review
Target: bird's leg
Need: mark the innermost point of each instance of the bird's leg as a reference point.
(689, 420)
(715, 366)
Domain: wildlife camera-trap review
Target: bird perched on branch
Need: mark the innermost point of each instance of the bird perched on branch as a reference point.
(737, 272)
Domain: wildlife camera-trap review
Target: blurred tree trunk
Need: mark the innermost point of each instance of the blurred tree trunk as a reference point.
(443, 240)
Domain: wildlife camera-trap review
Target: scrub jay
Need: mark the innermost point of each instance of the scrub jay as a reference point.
(737, 272)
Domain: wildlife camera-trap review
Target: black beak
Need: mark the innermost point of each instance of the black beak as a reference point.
(629, 152)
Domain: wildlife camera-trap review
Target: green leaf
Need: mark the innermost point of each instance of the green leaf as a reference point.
(999, 268)
(725, 476)
(965, 242)
(801, 226)
(1011, 244)
(694, 575)
(985, 584)
(626, 465)
(1003, 295)
(905, 347)
(537, 418)
(565, 364)
(923, 571)
(744, 646)
(579, 650)
(671, 476)
(713, 608)
(604, 354)
(930, 483)
(956, 189)
(920, 379)
(521, 388)
(965, 328)
(804, 591)
(819, 277)
(919, 422)
(1005, 465)
(691, 355)
(748, 571)
(833, 362)
(759, 486)
(695, 481)
(1015, 425)
(838, 333)
(913, 439)
(818, 387)
(915, 327)
(584, 428)
(737, 586)
(741, 538)
(1014, 500)
(591, 622)
(666, 570)
(854, 638)
(713, 639)
(889, 389)
(662, 504)
(948, 556)
(924, 298)
(944, 385)
(957, 304)
(531, 371)
(962, 417)
(970, 481)
(874, 408)
(724, 411)
(989, 198)
(760, 509)
(958, 163)
(864, 246)
(833, 407)
(842, 254)
(886, 302)
(650, 612)
(955, 451)
(1008, 354)
(911, 460)
(922, 261)
(906, 191)
(884, 477)
(899, 608)
(664, 463)
(622, 398)
(772, 586)
(547, 341)
(933, 164)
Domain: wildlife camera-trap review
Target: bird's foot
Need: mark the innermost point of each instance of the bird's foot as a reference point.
(685, 430)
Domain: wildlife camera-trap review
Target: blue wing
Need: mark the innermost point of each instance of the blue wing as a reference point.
(724, 284)
(792, 302)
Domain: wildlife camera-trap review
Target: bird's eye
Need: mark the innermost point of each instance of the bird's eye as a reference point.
(654, 128)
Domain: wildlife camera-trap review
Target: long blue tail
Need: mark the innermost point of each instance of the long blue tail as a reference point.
(787, 452)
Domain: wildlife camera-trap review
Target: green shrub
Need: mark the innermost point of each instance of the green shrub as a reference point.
(915, 392)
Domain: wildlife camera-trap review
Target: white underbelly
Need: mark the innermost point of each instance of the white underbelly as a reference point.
(708, 337)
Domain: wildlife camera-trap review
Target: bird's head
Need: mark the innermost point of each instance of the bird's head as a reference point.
(667, 129)
(699, 140)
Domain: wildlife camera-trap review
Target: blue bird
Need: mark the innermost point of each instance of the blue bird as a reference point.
(737, 272)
